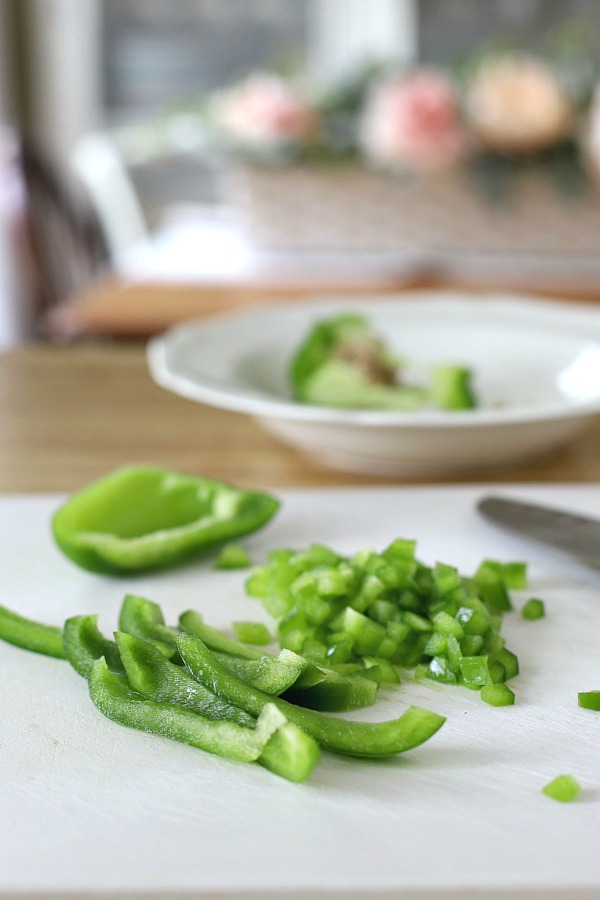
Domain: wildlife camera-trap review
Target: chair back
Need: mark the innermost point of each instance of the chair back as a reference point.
(68, 245)
(100, 170)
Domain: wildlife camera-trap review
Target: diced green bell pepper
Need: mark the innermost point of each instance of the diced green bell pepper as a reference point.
(564, 788)
(252, 633)
(140, 518)
(497, 695)
(533, 609)
(232, 556)
(589, 700)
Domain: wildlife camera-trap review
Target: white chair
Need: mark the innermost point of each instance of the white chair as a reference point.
(98, 166)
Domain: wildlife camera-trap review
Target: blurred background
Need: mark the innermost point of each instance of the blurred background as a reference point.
(134, 71)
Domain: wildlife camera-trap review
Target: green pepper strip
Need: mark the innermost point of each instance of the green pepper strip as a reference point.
(113, 696)
(271, 674)
(30, 635)
(149, 673)
(289, 752)
(83, 643)
(144, 619)
(192, 622)
(367, 739)
(315, 687)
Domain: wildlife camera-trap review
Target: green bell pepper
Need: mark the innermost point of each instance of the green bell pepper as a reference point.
(141, 518)
(30, 635)
(315, 687)
(338, 735)
(113, 696)
(83, 643)
(144, 619)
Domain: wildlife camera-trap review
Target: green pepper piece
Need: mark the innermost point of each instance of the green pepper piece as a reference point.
(113, 696)
(533, 609)
(451, 387)
(233, 556)
(315, 687)
(271, 674)
(330, 691)
(140, 518)
(252, 633)
(365, 739)
(150, 674)
(30, 635)
(144, 619)
(289, 752)
(497, 695)
(589, 700)
(564, 788)
(83, 643)
(192, 622)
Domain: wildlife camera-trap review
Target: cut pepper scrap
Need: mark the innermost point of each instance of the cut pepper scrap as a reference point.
(140, 518)
(564, 788)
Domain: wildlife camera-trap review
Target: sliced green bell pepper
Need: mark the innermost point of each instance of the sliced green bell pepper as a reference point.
(30, 635)
(365, 739)
(315, 687)
(113, 696)
(149, 673)
(83, 643)
(289, 752)
(141, 518)
(144, 619)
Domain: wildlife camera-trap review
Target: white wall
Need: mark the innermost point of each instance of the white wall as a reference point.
(348, 34)
(16, 314)
(65, 71)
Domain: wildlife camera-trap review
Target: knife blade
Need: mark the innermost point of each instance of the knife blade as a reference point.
(576, 535)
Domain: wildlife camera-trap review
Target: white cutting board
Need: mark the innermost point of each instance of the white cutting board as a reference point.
(89, 808)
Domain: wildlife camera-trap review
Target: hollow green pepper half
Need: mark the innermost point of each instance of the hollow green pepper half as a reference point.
(366, 739)
(141, 518)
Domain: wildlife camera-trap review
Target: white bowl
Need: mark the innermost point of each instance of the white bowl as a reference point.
(536, 368)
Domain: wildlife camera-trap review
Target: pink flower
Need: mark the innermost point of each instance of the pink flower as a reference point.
(415, 123)
(264, 112)
(517, 105)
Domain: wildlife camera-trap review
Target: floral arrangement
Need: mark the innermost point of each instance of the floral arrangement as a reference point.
(506, 112)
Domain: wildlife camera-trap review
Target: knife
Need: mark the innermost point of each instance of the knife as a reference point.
(578, 536)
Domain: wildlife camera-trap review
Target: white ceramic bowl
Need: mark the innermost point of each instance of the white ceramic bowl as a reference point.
(536, 368)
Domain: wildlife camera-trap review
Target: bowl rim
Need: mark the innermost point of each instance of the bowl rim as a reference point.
(213, 392)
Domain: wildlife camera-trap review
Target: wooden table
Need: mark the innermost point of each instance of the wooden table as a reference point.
(69, 414)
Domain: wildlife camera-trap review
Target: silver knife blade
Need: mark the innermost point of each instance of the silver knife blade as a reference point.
(578, 536)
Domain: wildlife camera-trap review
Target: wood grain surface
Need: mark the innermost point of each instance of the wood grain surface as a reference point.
(71, 413)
